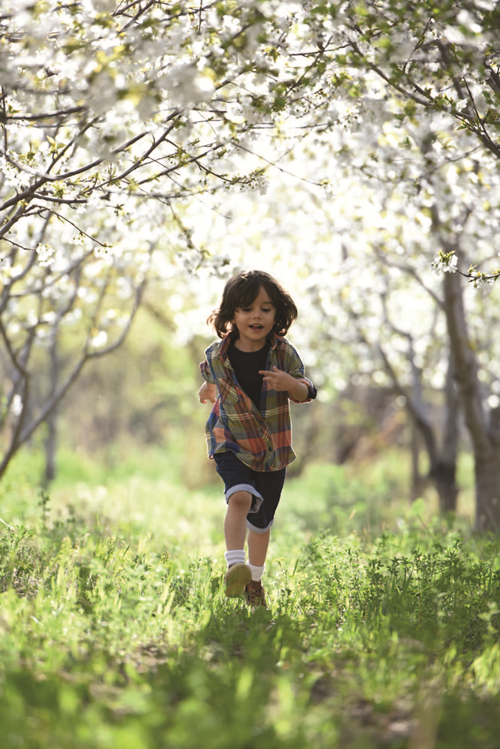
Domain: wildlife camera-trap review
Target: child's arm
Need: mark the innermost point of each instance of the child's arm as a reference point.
(284, 382)
(208, 392)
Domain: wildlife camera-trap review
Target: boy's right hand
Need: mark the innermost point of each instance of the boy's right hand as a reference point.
(207, 392)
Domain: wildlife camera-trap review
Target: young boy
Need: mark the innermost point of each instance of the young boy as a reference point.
(250, 376)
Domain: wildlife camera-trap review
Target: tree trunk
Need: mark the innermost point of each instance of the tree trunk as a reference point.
(444, 476)
(445, 468)
(51, 420)
(482, 430)
(418, 481)
(487, 473)
(50, 450)
(442, 460)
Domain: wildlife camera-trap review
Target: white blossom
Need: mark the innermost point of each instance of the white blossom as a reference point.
(16, 407)
(187, 85)
(45, 255)
(100, 340)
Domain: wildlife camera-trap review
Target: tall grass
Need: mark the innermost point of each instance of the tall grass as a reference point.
(382, 629)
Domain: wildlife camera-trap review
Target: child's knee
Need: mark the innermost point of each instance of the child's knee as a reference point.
(240, 500)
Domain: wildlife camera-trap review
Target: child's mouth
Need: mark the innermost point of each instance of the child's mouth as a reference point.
(256, 327)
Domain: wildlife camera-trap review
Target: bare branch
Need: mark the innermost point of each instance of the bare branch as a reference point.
(6, 291)
(53, 401)
(53, 280)
(42, 116)
(45, 177)
(408, 270)
(12, 355)
(15, 440)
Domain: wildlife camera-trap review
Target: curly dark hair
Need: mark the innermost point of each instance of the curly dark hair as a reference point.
(241, 291)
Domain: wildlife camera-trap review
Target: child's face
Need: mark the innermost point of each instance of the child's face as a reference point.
(254, 322)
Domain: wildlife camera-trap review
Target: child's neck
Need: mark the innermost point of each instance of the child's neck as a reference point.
(247, 346)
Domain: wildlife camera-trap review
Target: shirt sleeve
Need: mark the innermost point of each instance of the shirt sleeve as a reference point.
(207, 373)
(295, 368)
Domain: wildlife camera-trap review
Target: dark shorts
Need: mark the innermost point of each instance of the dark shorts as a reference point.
(265, 488)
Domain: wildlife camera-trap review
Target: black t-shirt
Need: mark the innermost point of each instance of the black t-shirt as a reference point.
(246, 365)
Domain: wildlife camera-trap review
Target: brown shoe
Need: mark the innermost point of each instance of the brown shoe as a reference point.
(236, 578)
(255, 594)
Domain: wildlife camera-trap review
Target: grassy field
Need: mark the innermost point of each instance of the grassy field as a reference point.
(382, 631)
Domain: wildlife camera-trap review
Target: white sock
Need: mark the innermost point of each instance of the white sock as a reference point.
(257, 572)
(235, 556)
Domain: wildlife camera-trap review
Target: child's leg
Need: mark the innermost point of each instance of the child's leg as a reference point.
(239, 483)
(235, 528)
(259, 533)
(257, 547)
(238, 573)
(257, 551)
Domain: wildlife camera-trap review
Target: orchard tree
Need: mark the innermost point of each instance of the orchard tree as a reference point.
(59, 310)
(418, 369)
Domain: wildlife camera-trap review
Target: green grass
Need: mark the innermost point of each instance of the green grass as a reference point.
(382, 630)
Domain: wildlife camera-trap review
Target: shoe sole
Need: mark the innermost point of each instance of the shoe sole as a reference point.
(237, 579)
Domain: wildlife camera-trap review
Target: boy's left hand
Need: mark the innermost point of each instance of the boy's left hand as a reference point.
(277, 379)
(282, 381)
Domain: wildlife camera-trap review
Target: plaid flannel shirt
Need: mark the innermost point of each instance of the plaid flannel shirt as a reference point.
(261, 438)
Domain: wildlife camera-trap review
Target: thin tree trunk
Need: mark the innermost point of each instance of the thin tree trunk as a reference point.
(487, 473)
(442, 460)
(418, 481)
(446, 486)
(51, 420)
(445, 470)
(483, 436)
(50, 450)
